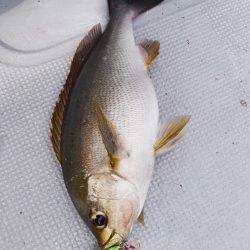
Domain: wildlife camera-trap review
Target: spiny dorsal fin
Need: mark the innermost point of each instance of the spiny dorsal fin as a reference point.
(169, 133)
(110, 137)
(151, 50)
(79, 59)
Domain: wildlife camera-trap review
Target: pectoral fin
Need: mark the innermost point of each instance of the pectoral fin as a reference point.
(151, 50)
(169, 133)
(110, 137)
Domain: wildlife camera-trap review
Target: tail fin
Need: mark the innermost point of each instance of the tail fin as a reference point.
(138, 6)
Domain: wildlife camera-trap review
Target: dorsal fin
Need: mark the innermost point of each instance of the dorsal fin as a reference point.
(79, 59)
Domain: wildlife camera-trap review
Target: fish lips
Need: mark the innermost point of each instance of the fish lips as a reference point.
(113, 239)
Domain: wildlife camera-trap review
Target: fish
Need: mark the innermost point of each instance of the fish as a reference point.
(106, 131)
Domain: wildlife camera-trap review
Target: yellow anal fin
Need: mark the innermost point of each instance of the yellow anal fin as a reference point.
(110, 137)
(79, 59)
(169, 133)
(151, 50)
(141, 218)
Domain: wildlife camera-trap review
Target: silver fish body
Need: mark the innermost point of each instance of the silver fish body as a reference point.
(106, 130)
(114, 74)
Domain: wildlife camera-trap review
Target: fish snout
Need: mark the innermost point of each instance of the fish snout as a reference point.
(109, 238)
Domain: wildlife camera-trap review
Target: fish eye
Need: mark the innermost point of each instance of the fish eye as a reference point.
(99, 220)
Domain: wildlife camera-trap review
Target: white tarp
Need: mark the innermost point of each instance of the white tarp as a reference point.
(200, 194)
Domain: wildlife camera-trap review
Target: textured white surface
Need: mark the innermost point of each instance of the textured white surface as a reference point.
(199, 197)
(36, 31)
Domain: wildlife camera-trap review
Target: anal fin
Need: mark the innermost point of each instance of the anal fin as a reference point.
(151, 50)
(81, 55)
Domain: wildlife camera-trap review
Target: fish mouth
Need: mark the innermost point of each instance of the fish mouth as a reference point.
(114, 239)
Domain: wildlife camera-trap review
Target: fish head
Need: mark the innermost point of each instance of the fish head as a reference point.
(113, 207)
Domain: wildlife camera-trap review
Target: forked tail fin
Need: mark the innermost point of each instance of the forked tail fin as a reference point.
(138, 6)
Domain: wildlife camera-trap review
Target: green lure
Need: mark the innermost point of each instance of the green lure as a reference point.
(115, 247)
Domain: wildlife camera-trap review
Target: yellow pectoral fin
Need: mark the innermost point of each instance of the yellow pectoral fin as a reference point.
(169, 133)
(110, 137)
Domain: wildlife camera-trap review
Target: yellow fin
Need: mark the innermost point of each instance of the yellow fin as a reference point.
(110, 137)
(151, 50)
(79, 59)
(169, 133)
(141, 218)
